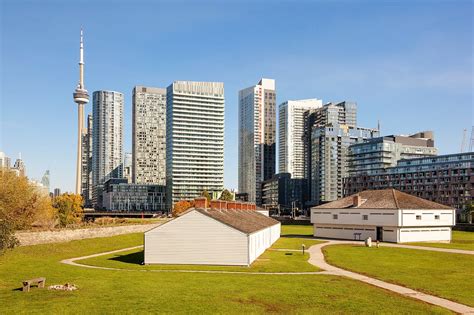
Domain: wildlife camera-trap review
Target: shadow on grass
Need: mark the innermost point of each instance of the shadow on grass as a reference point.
(133, 258)
(297, 236)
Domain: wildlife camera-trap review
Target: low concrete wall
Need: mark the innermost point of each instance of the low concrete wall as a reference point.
(66, 235)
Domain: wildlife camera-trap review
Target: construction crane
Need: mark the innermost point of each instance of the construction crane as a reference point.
(463, 143)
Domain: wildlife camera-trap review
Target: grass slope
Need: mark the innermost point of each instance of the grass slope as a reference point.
(107, 291)
(460, 240)
(442, 274)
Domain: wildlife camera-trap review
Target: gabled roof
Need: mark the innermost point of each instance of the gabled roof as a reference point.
(246, 221)
(384, 199)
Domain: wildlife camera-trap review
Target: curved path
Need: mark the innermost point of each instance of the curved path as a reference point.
(72, 261)
(316, 259)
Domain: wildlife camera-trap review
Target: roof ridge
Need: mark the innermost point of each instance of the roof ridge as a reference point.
(395, 199)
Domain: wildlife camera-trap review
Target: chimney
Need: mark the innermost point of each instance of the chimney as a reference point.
(218, 204)
(200, 202)
(356, 201)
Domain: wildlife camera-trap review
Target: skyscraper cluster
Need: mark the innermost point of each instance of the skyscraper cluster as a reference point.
(177, 146)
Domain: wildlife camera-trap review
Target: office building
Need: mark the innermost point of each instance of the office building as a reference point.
(282, 194)
(57, 192)
(45, 180)
(257, 138)
(4, 161)
(87, 163)
(149, 135)
(119, 195)
(127, 167)
(19, 166)
(107, 140)
(379, 153)
(446, 179)
(291, 131)
(194, 139)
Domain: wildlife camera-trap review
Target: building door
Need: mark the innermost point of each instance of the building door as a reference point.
(379, 233)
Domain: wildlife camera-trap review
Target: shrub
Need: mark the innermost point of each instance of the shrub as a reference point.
(68, 209)
(7, 236)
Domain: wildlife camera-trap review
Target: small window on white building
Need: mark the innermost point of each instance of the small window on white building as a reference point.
(365, 217)
(334, 216)
(437, 217)
(418, 217)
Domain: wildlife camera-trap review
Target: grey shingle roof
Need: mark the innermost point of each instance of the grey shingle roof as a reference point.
(384, 199)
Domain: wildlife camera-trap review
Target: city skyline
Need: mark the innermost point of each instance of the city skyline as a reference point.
(407, 87)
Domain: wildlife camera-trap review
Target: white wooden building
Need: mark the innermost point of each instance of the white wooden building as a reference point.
(385, 215)
(211, 237)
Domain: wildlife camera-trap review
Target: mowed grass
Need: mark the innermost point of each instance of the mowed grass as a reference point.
(443, 274)
(297, 230)
(294, 243)
(110, 291)
(460, 240)
(270, 261)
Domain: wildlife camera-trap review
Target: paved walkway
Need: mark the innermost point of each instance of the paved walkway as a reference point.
(72, 261)
(317, 259)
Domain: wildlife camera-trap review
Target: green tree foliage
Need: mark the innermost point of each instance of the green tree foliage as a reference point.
(69, 209)
(226, 195)
(206, 194)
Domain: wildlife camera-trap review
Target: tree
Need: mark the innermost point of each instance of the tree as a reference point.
(68, 209)
(226, 195)
(21, 203)
(7, 236)
(206, 194)
(181, 206)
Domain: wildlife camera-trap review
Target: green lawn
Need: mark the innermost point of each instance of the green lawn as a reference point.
(442, 274)
(109, 291)
(460, 240)
(297, 230)
(294, 243)
(270, 261)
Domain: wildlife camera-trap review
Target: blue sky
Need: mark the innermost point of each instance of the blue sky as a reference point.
(406, 63)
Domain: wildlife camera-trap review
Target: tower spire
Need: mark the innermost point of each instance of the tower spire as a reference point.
(81, 97)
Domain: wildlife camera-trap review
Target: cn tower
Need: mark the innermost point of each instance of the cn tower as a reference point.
(81, 97)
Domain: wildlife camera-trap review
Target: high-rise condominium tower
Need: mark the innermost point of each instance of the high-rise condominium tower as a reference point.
(333, 130)
(194, 139)
(257, 126)
(107, 140)
(149, 135)
(81, 97)
(87, 163)
(291, 135)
